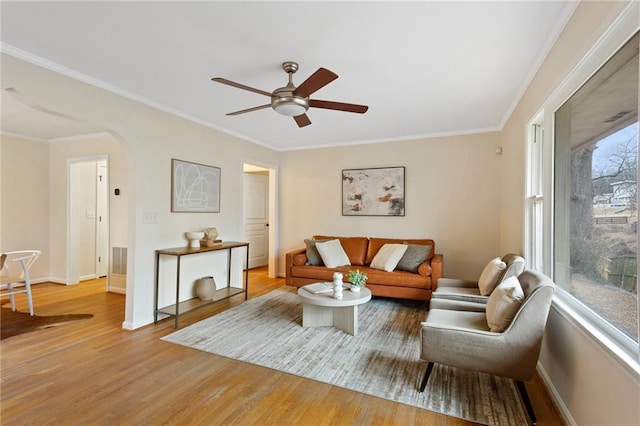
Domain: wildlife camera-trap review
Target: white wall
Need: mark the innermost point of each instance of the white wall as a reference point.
(25, 200)
(152, 138)
(452, 196)
(589, 384)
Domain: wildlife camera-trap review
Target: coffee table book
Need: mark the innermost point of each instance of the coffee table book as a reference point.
(319, 288)
(323, 288)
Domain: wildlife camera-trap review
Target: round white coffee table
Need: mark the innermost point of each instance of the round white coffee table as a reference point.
(323, 310)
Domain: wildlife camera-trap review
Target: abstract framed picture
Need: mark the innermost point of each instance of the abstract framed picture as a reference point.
(373, 192)
(194, 187)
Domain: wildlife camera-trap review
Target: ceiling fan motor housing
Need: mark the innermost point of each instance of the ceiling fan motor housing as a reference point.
(284, 102)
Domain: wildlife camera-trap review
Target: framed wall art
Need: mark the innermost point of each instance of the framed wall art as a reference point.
(373, 192)
(194, 187)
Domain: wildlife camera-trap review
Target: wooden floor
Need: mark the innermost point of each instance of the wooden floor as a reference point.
(93, 372)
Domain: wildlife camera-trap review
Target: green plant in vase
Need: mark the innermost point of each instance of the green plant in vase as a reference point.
(357, 279)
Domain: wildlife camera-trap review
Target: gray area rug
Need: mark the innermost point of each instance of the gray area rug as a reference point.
(382, 360)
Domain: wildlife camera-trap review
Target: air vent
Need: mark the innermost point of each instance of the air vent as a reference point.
(119, 261)
(616, 117)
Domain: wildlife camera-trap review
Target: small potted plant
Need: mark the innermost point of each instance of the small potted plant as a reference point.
(357, 279)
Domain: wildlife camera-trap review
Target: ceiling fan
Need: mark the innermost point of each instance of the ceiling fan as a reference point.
(294, 101)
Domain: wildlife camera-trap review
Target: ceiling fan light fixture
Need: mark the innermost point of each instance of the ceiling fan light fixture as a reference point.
(291, 106)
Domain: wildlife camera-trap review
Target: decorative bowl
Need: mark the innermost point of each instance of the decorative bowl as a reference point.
(194, 238)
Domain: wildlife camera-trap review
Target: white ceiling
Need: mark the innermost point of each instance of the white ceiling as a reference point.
(423, 68)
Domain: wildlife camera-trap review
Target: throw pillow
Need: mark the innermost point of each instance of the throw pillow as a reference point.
(388, 257)
(490, 276)
(415, 255)
(332, 253)
(313, 257)
(503, 304)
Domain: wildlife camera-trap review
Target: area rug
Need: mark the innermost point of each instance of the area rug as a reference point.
(382, 360)
(16, 323)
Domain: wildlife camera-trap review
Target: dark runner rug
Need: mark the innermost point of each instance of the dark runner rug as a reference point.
(382, 360)
(16, 323)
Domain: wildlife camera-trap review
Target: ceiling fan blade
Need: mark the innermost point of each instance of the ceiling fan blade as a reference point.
(240, 86)
(302, 120)
(316, 81)
(250, 109)
(339, 106)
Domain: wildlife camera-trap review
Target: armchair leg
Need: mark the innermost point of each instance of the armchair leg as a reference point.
(425, 378)
(527, 403)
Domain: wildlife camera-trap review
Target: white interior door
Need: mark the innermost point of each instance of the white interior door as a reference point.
(102, 219)
(256, 217)
(88, 231)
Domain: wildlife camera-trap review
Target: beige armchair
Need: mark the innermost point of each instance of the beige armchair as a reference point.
(464, 295)
(464, 339)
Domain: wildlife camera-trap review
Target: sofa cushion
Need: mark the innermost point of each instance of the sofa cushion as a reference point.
(415, 255)
(313, 257)
(376, 244)
(355, 247)
(388, 257)
(503, 304)
(490, 276)
(332, 253)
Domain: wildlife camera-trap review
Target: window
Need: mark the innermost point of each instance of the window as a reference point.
(595, 216)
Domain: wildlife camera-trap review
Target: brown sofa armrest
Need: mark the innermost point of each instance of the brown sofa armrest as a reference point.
(436, 270)
(294, 257)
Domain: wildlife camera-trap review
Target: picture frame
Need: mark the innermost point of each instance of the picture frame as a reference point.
(195, 188)
(373, 192)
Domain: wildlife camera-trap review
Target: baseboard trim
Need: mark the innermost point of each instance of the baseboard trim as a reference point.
(556, 399)
(41, 280)
(37, 281)
(128, 325)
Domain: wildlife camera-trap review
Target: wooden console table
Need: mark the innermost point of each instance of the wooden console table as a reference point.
(183, 307)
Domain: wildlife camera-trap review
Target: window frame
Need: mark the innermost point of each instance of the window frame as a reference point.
(614, 341)
(535, 194)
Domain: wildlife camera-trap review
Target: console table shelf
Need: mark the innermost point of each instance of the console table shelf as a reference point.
(195, 303)
(189, 305)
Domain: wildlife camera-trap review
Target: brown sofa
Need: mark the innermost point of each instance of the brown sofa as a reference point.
(361, 251)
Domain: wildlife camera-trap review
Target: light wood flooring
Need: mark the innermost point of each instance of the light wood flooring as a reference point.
(91, 372)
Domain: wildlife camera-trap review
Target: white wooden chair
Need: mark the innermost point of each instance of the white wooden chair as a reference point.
(15, 271)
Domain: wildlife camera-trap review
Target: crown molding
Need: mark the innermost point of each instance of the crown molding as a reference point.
(68, 72)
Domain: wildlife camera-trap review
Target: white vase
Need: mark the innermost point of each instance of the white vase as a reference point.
(355, 288)
(206, 288)
(337, 285)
